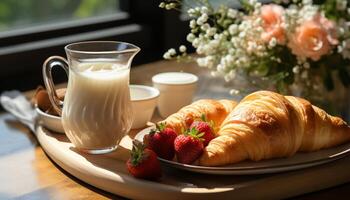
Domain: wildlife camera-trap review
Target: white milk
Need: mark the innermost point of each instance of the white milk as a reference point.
(97, 110)
(174, 78)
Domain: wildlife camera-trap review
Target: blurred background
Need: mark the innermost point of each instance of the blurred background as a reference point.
(32, 30)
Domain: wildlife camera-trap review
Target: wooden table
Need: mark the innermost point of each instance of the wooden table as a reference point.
(27, 173)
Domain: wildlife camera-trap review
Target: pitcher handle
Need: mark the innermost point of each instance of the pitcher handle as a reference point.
(49, 84)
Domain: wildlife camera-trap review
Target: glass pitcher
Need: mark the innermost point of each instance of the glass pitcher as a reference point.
(96, 112)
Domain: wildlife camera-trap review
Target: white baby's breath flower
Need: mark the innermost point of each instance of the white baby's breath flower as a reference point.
(232, 13)
(205, 17)
(204, 10)
(214, 43)
(216, 36)
(211, 31)
(190, 37)
(257, 6)
(252, 46)
(191, 12)
(202, 19)
(227, 78)
(170, 6)
(273, 42)
(172, 51)
(200, 50)
(196, 43)
(307, 2)
(182, 48)
(233, 29)
(220, 68)
(228, 60)
(193, 23)
(201, 62)
(226, 33)
(252, 2)
(340, 49)
(166, 56)
(205, 26)
(242, 34)
(234, 92)
(341, 31)
(210, 61)
(296, 69)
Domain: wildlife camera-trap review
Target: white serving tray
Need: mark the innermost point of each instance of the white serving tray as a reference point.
(108, 172)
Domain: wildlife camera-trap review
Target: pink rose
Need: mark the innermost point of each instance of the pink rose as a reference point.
(314, 38)
(272, 23)
(329, 26)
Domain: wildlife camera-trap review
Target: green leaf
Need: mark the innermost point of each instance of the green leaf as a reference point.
(160, 126)
(137, 154)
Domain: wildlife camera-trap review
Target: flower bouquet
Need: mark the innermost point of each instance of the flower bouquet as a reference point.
(297, 47)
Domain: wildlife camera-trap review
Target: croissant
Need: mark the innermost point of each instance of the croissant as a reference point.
(214, 110)
(269, 125)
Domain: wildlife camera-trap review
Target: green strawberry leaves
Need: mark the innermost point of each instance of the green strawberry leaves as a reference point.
(194, 133)
(159, 128)
(137, 153)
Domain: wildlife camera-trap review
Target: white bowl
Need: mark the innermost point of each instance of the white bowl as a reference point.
(144, 101)
(50, 122)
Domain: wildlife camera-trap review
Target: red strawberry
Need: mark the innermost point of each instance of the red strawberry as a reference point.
(143, 162)
(204, 127)
(161, 141)
(189, 146)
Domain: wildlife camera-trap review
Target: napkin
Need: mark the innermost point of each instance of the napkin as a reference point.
(17, 104)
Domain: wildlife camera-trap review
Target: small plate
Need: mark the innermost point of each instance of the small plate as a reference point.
(298, 161)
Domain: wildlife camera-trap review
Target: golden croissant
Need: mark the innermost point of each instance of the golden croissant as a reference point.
(269, 125)
(213, 110)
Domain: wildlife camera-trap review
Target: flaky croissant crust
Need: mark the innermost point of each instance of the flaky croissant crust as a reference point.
(214, 110)
(269, 125)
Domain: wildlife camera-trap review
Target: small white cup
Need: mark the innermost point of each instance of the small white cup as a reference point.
(176, 91)
(144, 101)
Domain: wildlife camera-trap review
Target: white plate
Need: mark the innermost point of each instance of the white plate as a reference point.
(298, 161)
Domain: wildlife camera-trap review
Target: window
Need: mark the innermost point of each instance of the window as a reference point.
(32, 30)
(23, 14)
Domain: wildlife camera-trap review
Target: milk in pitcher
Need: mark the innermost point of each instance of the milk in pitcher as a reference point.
(96, 110)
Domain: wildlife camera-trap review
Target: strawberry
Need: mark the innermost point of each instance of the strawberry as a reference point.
(189, 146)
(143, 162)
(161, 141)
(205, 127)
